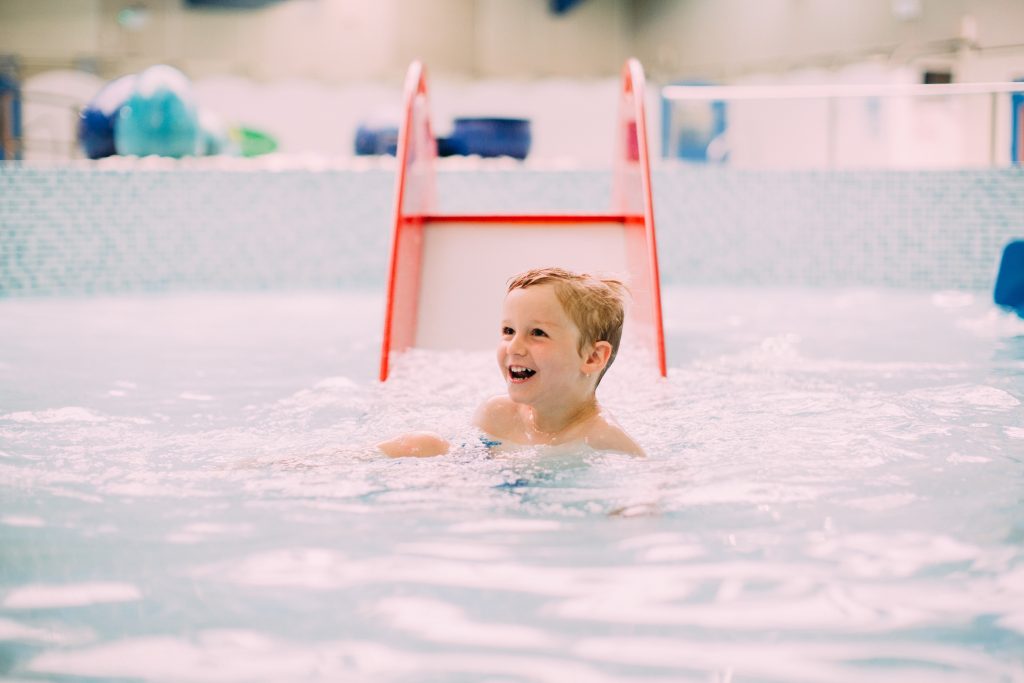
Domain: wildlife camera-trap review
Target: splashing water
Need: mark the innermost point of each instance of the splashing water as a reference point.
(190, 493)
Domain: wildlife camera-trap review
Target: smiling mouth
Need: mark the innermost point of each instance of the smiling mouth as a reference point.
(518, 373)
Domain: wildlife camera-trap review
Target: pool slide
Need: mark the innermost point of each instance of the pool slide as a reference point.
(447, 273)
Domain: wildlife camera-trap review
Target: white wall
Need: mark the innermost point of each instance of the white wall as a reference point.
(521, 38)
(336, 41)
(331, 41)
(47, 32)
(725, 39)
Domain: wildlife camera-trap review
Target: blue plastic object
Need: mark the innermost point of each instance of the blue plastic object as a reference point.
(1017, 125)
(490, 137)
(159, 117)
(1009, 290)
(376, 140)
(98, 118)
(562, 6)
(688, 129)
(449, 147)
(10, 118)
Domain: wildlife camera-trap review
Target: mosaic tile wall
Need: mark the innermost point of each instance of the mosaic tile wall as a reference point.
(908, 229)
(82, 230)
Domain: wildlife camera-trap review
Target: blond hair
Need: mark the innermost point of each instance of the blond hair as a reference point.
(595, 305)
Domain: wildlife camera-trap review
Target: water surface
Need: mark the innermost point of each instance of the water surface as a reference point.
(187, 493)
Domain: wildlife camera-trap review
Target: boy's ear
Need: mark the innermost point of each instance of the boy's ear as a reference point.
(597, 359)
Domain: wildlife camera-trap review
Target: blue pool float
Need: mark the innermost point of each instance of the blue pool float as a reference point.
(98, 117)
(1009, 290)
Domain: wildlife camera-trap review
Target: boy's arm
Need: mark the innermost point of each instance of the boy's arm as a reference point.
(492, 417)
(414, 444)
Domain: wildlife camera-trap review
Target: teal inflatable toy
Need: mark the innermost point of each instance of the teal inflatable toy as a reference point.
(159, 117)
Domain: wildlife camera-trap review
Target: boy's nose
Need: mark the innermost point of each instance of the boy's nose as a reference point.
(516, 346)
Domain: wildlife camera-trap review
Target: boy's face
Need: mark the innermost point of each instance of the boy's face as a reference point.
(538, 352)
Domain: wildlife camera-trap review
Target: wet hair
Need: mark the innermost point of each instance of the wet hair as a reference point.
(595, 305)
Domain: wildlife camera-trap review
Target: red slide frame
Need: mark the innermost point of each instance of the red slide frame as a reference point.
(632, 207)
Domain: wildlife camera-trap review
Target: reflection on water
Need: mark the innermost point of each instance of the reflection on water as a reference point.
(832, 493)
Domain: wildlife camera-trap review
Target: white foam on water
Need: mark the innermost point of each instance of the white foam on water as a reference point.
(952, 299)
(1013, 581)
(993, 324)
(64, 492)
(23, 521)
(455, 551)
(800, 662)
(55, 634)
(242, 656)
(873, 555)
(673, 553)
(194, 396)
(800, 613)
(960, 396)
(214, 657)
(974, 459)
(505, 525)
(154, 488)
(204, 531)
(312, 568)
(69, 595)
(336, 383)
(55, 415)
(1014, 621)
(442, 622)
(882, 503)
(747, 493)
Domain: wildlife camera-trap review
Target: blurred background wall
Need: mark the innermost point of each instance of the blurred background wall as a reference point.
(332, 41)
(336, 41)
(310, 70)
(722, 39)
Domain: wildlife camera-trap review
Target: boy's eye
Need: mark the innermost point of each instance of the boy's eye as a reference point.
(537, 332)
(507, 331)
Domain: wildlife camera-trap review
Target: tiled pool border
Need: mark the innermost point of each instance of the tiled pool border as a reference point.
(82, 230)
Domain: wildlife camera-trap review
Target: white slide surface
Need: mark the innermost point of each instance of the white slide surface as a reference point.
(466, 266)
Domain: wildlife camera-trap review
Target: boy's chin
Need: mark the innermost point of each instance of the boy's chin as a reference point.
(518, 393)
(515, 393)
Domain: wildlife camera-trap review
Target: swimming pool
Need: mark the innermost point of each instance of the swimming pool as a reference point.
(832, 493)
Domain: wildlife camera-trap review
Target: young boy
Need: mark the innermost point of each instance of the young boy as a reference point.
(560, 332)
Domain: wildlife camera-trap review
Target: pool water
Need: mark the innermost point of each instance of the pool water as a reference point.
(833, 493)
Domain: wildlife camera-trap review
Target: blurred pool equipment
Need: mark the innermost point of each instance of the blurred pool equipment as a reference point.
(489, 137)
(828, 133)
(98, 118)
(10, 118)
(160, 116)
(693, 131)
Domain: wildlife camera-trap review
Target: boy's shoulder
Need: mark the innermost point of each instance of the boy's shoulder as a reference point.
(500, 416)
(602, 434)
(496, 415)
